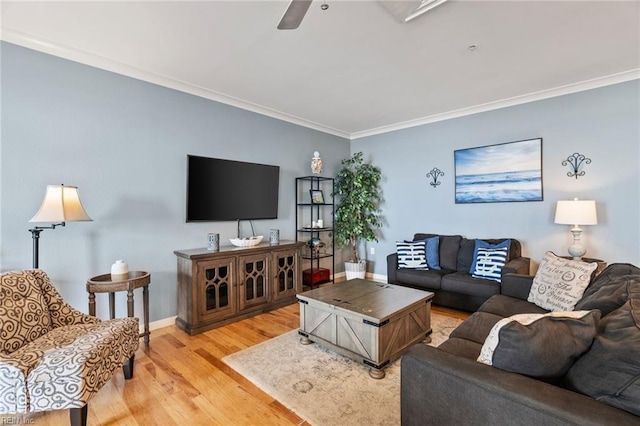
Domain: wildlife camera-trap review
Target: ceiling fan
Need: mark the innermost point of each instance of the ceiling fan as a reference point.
(404, 11)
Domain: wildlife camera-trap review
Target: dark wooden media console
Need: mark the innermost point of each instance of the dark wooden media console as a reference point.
(219, 287)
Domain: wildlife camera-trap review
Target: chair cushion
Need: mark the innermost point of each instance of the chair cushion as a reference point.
(559, 283)
(24, 314)
(67, 366)
(540, 345)
(610, 371)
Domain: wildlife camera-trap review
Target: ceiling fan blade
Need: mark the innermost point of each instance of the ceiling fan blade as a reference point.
(294, 14)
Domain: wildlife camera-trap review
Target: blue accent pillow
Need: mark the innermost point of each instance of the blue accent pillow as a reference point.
(483, 244)
(412, 255)
(489, 263)
(433, 252)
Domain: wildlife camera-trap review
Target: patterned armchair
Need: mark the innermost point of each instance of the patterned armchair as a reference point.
(53, 357)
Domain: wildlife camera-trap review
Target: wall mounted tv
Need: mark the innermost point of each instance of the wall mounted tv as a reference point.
(224, 190)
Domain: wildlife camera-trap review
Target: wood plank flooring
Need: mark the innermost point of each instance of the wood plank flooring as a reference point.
(181, 380)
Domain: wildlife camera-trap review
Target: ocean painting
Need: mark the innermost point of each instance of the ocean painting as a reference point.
(499, 173)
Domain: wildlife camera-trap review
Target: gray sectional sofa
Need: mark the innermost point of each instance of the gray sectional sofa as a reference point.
(453, 285)
(447, 386)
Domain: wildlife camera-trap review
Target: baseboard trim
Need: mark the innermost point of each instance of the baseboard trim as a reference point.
(160, 323)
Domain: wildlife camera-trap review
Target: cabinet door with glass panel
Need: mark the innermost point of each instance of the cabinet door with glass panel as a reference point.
(216, 289)
(253, 280)
(287, 273)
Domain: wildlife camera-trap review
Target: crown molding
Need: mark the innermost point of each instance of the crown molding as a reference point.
(35, 43)
(509, 102)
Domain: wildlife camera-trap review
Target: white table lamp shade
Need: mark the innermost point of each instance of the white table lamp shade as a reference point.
(61, 204)
(576, 212)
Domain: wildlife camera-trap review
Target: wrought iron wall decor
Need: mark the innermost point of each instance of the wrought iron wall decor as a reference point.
(575, 162)
(434, 174)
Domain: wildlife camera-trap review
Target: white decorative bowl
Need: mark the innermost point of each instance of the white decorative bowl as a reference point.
(246, 242)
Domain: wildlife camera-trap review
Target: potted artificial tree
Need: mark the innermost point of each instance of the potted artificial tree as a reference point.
(357, 214)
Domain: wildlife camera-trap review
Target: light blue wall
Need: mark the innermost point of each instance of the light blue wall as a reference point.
(124, 143)
(603, 124)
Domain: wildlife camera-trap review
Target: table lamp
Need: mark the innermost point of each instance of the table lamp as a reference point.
(576, 212)
(61, 204)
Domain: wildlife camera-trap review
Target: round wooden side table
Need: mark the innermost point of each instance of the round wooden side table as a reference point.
(128, 282)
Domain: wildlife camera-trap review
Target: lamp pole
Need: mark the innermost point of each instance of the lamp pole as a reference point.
(35, 236)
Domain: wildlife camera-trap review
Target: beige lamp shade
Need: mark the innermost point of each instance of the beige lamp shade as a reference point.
(576, 212)
(61, 204)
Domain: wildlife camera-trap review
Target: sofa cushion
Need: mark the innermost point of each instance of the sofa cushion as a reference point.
(559, 283)
(411, 254)
(465, 255)
(506, 306)
(463, 283)
(540, 345)
(24, 314)
(461, 347)
(449, 245)
(610, 371)
(476, 327)
(610, 290)
(489, 263)
(428, 280)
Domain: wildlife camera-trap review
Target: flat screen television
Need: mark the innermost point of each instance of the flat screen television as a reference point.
(224, 190)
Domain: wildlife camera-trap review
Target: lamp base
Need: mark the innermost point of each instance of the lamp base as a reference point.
(576, 249)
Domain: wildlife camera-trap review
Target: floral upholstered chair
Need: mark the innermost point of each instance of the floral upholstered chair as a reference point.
(53, 357)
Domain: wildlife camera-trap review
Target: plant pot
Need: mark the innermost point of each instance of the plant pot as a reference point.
(355, 270)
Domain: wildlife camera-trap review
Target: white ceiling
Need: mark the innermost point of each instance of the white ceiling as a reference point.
(352, 70)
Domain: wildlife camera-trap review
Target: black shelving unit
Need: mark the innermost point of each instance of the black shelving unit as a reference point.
(308, 213)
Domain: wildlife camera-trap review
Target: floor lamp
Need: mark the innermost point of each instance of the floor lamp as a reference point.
(61, 204)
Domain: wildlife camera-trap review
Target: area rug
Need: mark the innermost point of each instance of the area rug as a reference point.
(323, 387)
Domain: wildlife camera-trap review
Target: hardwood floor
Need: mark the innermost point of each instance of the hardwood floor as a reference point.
(181, 380)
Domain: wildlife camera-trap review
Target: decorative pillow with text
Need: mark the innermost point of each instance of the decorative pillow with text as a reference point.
(560, 283)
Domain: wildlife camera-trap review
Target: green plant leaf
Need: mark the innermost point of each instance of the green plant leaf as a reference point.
(357, 215)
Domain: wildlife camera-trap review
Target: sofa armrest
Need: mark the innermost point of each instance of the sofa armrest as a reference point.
(519, 265)
(516, 285)
(439, 388)
(392, 268)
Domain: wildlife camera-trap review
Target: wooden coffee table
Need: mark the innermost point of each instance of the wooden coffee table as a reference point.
(369, 322)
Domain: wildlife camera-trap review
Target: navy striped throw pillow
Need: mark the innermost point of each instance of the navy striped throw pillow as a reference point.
(489, 263)
(411, 255)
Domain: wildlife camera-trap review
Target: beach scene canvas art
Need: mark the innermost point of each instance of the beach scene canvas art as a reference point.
(499, 173)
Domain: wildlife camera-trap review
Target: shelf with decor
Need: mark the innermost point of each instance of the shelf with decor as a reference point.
(314, 226)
